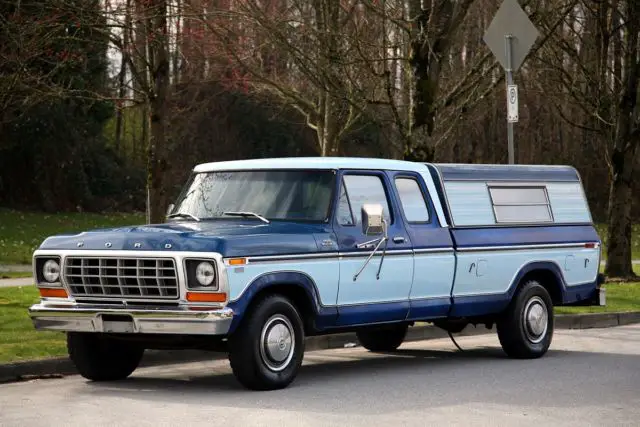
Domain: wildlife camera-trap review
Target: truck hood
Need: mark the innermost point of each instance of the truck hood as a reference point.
(229, 238)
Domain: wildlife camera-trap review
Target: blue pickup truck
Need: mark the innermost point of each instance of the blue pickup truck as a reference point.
(256, 255)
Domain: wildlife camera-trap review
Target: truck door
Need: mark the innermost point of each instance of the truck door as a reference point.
(371, 298)
(434, 258)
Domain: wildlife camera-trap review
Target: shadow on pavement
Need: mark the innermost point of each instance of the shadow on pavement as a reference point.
(362, 383)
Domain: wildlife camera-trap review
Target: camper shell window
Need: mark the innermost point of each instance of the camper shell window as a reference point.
(517, 204)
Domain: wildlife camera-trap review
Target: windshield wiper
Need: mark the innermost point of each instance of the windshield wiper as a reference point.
(183, 215)
(247, 214)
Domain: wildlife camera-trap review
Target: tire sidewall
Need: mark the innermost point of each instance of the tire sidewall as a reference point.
(530, 290)
(281, 306)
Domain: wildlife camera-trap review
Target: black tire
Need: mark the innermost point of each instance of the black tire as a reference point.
(385, 338)
(101, 358)
(526, 327)
(258, 366)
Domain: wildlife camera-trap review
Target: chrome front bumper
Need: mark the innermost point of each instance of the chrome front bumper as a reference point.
(108, 319)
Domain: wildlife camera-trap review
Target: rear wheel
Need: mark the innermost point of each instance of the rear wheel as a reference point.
(266, 350)
(385, 338)
(526, 328)
(101, 358)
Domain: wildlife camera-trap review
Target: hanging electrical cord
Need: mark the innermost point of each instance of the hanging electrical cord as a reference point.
(454, 341)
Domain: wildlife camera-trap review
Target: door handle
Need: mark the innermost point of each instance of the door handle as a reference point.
(398, 239)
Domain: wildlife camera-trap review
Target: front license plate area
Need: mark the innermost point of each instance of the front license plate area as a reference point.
(117, 324)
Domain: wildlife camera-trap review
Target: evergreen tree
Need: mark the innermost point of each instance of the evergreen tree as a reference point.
(52, 151)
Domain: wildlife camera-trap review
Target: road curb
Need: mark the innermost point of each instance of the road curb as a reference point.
(61, 366)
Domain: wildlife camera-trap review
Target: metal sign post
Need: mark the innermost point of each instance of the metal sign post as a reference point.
(510, 37)
(510, 99)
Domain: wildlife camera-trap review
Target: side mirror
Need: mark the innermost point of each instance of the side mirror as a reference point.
(170, 208)
(372, 219)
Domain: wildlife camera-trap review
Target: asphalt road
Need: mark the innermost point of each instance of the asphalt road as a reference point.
(590, 377)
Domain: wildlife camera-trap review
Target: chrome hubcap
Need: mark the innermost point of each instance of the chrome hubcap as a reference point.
(536, 319)
(277, 342)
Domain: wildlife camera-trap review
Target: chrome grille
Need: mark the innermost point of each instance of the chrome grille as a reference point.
(128, 278)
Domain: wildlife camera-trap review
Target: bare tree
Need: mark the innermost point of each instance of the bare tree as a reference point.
(596, 69)
(625, 146)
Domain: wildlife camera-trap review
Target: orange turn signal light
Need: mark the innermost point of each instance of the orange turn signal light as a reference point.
(53, 293)
(206, 297)
(237, 261)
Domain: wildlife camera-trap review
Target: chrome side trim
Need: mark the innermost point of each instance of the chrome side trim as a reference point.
(429, 298)
(365, 254)
(143, 321)
(364, 304)
(328, 255)
(293, 257)
(526, 247)
(433, 250)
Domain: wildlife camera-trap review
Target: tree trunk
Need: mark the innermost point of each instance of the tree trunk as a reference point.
(141, 87)
(327, 16)
(434, 26)
(623, 156)
(619, 229)
(157, 150)
(122, 76)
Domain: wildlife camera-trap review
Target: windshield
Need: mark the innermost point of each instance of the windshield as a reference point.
(275, 195)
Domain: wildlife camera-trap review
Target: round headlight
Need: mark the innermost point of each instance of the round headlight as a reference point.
(51, 271)
(205, 273)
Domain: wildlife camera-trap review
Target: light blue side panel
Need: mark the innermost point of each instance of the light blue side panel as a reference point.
(568, 203)
(470, 203)
(433, 275)
(324, 272)
(394, 283)
(492, 272)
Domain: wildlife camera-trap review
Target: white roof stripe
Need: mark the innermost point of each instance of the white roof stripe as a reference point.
(312, 163)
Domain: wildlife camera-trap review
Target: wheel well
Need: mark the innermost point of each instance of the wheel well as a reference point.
(298, 297)
(549, 281)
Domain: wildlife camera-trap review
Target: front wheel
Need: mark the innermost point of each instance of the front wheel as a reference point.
(102, 358)
(526, 328)
(266, 350)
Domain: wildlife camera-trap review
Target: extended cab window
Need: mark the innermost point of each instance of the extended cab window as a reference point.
(413, 202)
(356, 191)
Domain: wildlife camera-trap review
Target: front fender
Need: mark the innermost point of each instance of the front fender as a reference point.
(262, 283)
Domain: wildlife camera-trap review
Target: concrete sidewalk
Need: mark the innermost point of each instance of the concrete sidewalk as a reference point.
(22, 281)
(15, 268)
(19, 281)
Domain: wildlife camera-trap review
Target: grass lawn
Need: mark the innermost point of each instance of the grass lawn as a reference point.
(22, 232)
(18, 339)
(620, 297)
(635, 240)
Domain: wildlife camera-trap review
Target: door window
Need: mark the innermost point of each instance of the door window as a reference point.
(356, 191)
